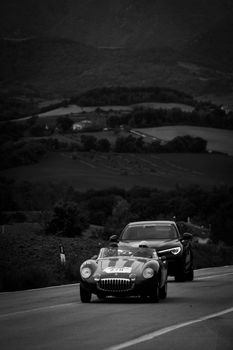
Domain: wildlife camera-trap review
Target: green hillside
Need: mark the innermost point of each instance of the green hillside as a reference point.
(99, 171)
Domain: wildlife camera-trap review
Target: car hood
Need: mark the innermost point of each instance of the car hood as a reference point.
(158, 244)
(122, 267)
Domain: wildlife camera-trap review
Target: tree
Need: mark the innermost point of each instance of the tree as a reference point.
(103, 145)
(89, 142)
(67, 220)
(64, 123)
(37, 130)
(121, 215)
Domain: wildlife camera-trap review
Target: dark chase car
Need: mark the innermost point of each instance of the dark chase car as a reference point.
(168, 240)
(124, 271)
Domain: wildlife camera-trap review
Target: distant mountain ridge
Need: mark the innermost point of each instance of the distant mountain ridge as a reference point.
(65, 47)
(111, 23)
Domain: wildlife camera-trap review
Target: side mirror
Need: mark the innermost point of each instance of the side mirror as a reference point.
(187, 236)
(94, 257)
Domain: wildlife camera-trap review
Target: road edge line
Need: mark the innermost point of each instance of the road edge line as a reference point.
(165, 330)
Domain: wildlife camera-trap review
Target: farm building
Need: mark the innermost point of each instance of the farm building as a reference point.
(77, 126)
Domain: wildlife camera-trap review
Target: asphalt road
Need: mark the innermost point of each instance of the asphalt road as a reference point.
(196, 315)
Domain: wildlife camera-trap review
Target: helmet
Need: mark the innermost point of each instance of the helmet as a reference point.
(143, 244)
(113, 238)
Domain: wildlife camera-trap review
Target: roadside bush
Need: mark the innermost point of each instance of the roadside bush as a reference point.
(211, 255)
(21, 153)
(10, 217)
(186, 143)
(25, 278)
(71, 273)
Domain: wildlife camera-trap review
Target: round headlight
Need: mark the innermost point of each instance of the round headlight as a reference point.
(86, 272)
(176, 250)
(148, 272)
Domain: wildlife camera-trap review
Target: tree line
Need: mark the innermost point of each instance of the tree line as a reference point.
(70, 211)
(146, 117)
(121, 95)
(19, 153)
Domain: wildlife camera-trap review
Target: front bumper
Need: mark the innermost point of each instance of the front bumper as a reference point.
(119, 287)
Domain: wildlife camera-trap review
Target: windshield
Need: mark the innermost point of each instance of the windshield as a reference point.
(145, 232)
(125, 251)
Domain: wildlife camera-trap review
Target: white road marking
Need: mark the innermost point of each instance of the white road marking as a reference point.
(216, 267)
(44, 308)
(165, 330)
(42, 288)
(213, 276)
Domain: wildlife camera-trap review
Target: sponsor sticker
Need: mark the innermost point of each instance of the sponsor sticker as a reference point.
(118, 270)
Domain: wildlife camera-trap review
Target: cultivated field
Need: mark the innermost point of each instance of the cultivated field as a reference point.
(220, 140)
(102, 170)
(74, 110)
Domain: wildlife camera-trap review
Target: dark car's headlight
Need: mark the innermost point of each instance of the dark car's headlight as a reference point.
(86, 272)
(148, 272)
(174, 251)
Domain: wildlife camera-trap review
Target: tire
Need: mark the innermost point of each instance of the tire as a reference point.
(154, 295)
(163, 291)
(190, 275)
(100, 296)
(85, 295)
(180, 276)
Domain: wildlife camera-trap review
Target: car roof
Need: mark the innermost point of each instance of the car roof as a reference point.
(152, 222)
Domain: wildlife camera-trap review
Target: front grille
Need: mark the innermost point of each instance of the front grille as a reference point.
(115, 284)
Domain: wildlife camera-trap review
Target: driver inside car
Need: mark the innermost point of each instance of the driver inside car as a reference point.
(112, 250)
(145, 251)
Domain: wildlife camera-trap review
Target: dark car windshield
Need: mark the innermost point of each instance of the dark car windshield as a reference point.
(145, 232)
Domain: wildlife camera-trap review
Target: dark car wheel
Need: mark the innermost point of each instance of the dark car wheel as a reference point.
(85, 295)
(163, 291)
(100, 296)
(190, 275)
(180, 276)
(154, 294)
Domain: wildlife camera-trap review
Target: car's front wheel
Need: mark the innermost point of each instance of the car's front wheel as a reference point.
(163, 291)
(100, 296)
(154, 294)
(85, 295)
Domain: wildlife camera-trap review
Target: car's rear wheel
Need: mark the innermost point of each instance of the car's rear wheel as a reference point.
(180, 276)
(190, 275)
(163, 291)
(183, 275)
(184, 272)
(181, 270)
(85, 295)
